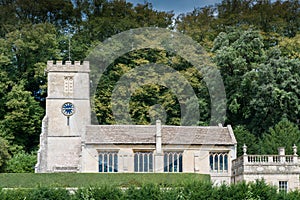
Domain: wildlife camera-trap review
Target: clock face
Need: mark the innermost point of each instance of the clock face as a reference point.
(68, 109)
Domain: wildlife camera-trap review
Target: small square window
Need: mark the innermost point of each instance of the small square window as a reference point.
(283, 186)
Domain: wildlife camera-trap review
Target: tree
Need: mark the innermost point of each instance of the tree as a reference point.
(261, 85)
(243, 136)
(4, 154)
(237, 52)
(280, 17)
(142, 99)
(31, 47)
(5, 86)
(58, 12)
(153, 100)
(284, 134)
(198, 24)
(290, 47)
(22, 121)
(272, 91)
(108, 18)
(8, 17)
(21, 162)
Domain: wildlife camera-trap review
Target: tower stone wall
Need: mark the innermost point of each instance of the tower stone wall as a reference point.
(60, 145)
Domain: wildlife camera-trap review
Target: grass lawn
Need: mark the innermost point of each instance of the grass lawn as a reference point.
(31, 180)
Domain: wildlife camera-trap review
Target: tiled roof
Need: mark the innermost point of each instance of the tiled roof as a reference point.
(196, 135)
(120, 134)
(143, 134)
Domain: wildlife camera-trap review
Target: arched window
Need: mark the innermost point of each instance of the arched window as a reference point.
(211, 161)
(108, 161)
(143, 162)
(225, 162)
(221, 162)
(172, 161)
(218, 162)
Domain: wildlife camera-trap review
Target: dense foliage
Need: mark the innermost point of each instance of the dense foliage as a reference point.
(190, 190)
(79, 180)
(255, 45)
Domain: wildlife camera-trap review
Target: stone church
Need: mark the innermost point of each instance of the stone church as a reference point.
(70, 143)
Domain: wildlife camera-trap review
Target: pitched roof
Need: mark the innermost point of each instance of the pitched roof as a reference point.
(120, 134)
(145, 134)
(196, 135)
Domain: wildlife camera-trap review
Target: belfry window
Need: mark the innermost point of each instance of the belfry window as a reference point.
(68, 84)
(143, 162)
(218, 162)
(172, 161)
(108, 162)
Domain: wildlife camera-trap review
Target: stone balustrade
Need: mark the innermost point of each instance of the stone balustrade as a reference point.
(274, 169)
(265, 160)
(266, 164)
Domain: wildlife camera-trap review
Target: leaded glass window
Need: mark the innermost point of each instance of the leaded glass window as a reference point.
(143, 162)
(108, 162)
(172, 161)
(218, 162)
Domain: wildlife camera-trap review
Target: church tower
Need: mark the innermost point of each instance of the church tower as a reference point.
(67, 115)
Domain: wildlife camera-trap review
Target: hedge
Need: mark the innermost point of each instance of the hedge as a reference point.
(194, 190)
(30, 180)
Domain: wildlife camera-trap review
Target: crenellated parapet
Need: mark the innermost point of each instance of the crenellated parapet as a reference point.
(68, 66)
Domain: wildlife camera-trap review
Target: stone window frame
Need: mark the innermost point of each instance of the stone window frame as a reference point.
(283, 185)
(109, 160)
(143, 160)
(219, 161)
(68, 84)
(176, 158)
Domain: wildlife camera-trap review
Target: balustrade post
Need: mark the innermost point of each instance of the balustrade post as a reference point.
(245, 149)
(270, 158)
(281, 152)
(245, 156)
(295, 156)
(245, 159)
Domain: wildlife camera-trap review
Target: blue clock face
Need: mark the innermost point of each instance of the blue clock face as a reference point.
(68, 109)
